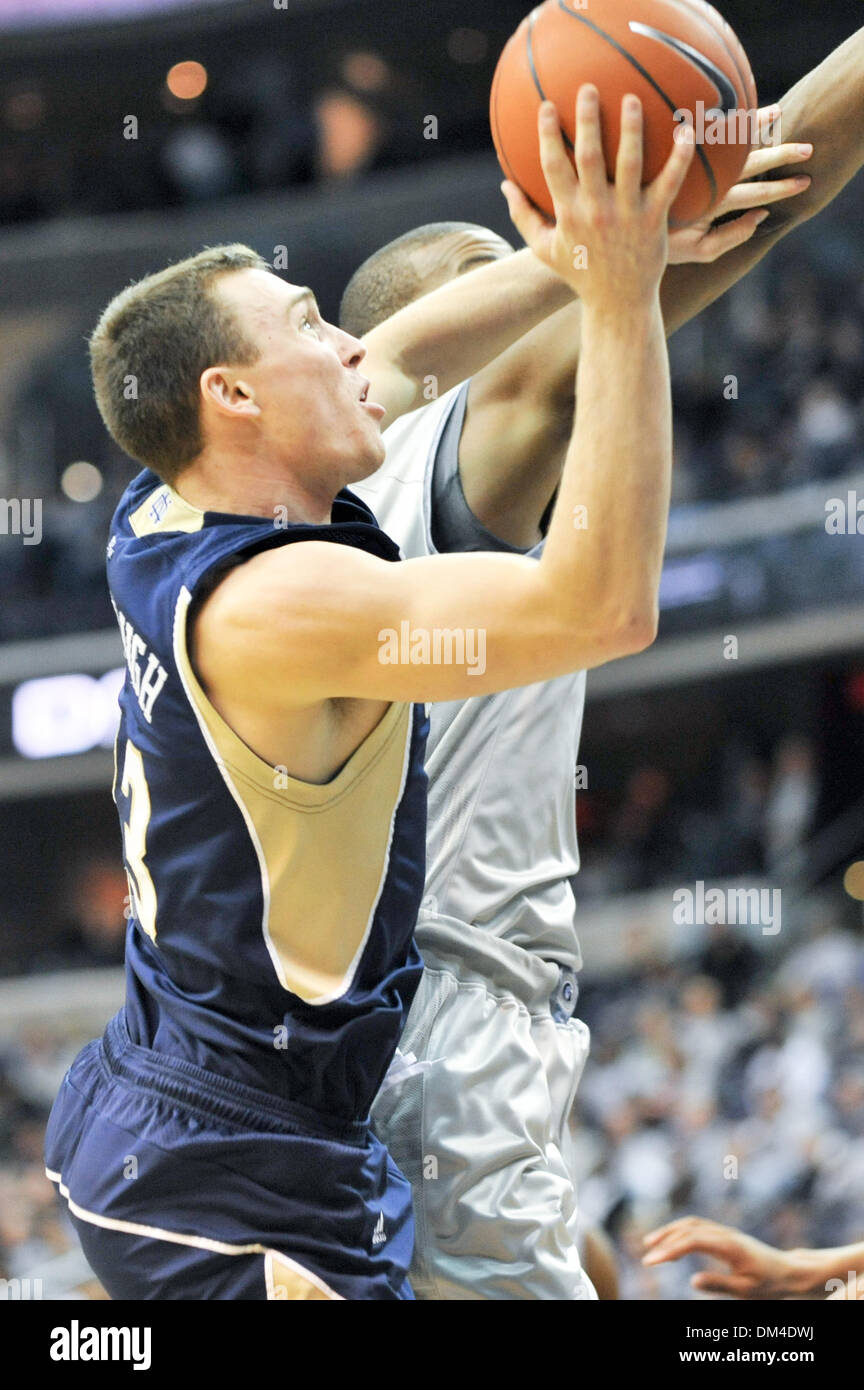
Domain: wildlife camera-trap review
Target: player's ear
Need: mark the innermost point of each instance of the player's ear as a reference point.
(229, 393)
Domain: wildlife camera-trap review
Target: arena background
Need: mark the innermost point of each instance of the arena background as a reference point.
(727, 1074)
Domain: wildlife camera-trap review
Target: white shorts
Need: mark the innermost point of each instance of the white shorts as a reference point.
(475, 1113)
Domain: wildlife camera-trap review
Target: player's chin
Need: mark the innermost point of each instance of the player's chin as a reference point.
(370, 458)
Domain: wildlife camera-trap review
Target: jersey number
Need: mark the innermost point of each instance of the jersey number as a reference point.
(141, 889)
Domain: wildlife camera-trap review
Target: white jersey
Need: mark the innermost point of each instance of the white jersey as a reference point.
(501, 840)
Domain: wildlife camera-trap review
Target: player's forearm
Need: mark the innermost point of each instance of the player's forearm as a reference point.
(605, 546)
(811, 1270)
(539, 368)
(589, 600)
(826, 108)
(517, 428)
(453, 332)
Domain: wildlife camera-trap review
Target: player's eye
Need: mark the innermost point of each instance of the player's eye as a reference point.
(307, 322)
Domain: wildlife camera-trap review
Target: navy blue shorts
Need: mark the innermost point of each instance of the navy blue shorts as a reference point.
(183, 1184)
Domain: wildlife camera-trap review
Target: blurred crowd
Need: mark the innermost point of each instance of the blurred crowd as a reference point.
(657, 832)
(274, 116)
(791, 335)
(727, 1080)
(275, 96)
(769, 389)
(254, 135)
(729, 1086)
(37, 1242)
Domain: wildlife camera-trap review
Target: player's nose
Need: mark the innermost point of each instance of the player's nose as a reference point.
(351, 350)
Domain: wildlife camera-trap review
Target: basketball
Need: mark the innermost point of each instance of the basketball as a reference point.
(681, 59)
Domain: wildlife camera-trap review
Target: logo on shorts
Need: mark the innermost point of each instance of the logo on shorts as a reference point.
(379, 1235)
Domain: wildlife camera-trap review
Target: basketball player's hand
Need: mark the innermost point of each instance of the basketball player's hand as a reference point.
(754, 1270)
(704, 241)
(609, 241)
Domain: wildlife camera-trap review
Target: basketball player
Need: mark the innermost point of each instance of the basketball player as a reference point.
(215, 1143)
(754, 1269)
(475, 470)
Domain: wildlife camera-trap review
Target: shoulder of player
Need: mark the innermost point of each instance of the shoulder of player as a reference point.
(281, 587)
(290, 612)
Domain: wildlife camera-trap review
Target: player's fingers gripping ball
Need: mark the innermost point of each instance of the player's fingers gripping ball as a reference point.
(681, 59)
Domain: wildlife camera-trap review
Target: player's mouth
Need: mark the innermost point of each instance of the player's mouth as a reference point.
(372, 406)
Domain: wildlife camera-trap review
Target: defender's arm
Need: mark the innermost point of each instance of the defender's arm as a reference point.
(519, 407)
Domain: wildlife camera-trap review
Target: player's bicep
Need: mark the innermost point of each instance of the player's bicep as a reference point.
(437, 628)
(518, 422)
(447, 627)
(511, 456)
(317, 621)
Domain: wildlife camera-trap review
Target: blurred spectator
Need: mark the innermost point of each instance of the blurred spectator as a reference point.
(788, 343)
(198, 163)
(37, 1241)
(828, 429)
(730, 960)
(826, 965)
(95, 930)
(791, 802)
(644, 835)
(744, 813)
(779, 1150)
(350, 134)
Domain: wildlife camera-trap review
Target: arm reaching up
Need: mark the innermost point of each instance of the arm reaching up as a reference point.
(454, 331)
(754, 1269)
(301, 625)
(826, 108)
(520, 405)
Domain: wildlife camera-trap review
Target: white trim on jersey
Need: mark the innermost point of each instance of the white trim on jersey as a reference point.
(216, 1247)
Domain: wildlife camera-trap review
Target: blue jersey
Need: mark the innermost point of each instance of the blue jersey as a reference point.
(271, 931)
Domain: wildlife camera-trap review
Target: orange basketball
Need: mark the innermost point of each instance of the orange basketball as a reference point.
(681, 59)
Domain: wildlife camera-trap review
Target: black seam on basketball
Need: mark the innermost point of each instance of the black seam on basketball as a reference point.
(595, 28)
(699, 14)
(529, 48)
(726, 91)
(748, 81)
(496, 131)
(499, 145)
